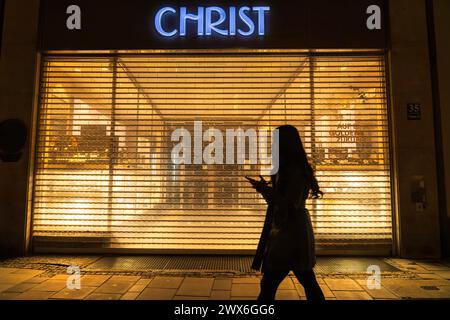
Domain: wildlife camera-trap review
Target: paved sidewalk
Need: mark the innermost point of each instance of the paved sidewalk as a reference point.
(39, 280)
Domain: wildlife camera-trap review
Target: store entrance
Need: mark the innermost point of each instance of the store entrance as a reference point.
(105, 179)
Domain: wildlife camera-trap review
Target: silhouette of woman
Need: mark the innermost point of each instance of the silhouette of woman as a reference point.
(287, 239)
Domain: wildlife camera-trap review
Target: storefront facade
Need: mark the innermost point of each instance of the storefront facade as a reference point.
(115, 80)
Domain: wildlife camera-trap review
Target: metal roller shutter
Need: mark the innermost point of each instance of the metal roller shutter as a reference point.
(104, 178)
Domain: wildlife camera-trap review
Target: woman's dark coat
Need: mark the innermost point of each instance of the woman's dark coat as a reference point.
(287, 239)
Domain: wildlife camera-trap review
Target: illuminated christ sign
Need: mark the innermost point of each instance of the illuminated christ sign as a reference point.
(244, 21)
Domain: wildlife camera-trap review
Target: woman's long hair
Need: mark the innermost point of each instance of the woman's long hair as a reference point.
(292, 152)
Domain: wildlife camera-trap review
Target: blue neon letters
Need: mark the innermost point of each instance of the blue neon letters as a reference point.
(213, 20)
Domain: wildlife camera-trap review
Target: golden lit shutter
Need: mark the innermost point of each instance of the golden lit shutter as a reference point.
(104, 178)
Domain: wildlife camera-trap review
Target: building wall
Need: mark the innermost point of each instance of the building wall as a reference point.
(414, 142)
(18, 65)
(442, 38)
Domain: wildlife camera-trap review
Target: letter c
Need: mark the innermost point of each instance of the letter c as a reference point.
(158, 24)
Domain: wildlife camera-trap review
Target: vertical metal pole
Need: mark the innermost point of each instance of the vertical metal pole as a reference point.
(392, 155)
(112, 156)
(312, 65)
(39, 121)
(444, 221)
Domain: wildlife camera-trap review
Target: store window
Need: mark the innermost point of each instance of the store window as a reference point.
(104, 176)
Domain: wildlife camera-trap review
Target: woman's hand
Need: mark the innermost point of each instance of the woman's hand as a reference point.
(261, 186)
(258, 184)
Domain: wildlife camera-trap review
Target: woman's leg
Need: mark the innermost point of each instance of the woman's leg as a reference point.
(312, 289)
(269, 284)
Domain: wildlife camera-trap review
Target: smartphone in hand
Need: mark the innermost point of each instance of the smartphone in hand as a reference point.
(252, 181)
(255, 182)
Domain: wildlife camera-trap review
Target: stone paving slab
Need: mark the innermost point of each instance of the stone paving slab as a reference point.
(251, 280)
(343, 285)
(37, 280)
(138, 288)
(157, 294)
(114, 286)
(429, 276)
(443, 274)
(422, 289)
(220, 295)
(104, 296)
(143, 282)
(287, 284)
(130, 296)
(62, 277)
(434, 266)
(326, 291)
(50, 285)
(245, 290)
(191, 298)
(8, 295)
(415, 268)
(22, 287)
(424, 280)
(222, 284)
(197, 287)
(13, 278)
(8, 270)
(28, 272)
(352, 295)
(166, 282)
(125, 278)
(420, 282)
(94, 280)
(35, 295)
(283, 294)
(301, 290)
(68, 294)
(5, 286)
(379, 293)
